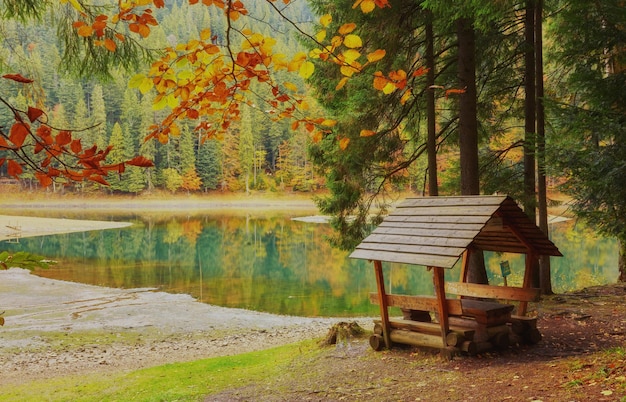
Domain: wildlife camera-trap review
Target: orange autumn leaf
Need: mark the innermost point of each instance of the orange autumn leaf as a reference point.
(343, 143)
(376, 55)
(110, 45)
(140, 161)
(63, 138)
(347, 28)
(76, 146)
(44, 179)
(19, 132)
(13, 168)
(367, 133)
(17, 78)
(454, 92)
(34, 113)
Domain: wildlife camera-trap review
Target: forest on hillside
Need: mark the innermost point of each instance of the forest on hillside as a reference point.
(259, 153)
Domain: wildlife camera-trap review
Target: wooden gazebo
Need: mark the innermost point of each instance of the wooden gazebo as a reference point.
(436, 232)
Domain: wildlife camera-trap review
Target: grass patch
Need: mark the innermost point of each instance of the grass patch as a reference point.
(190, 381)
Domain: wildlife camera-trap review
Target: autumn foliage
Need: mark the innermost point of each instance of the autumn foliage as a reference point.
(198, 81)
(52, 153)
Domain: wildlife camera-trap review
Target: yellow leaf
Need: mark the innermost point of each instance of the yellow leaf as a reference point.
(74, 4)
(172, 101)
(146, 85)
(320, 36)
(315, 53)
(304, 105)
(405, 97)
(329, 122)
(367, 133)
(376, 55)
(290, 86)
(326, 20)
(353, 41)
(347, 28)
(347, 71)
(343, 143)
(306, 70)
(367, 6)
(341, 83)
(174, 130)
(350, 55)
(389, 88)
(205, 34)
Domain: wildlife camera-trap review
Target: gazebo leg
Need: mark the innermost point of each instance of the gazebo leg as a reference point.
(382, 302)
(442, 307)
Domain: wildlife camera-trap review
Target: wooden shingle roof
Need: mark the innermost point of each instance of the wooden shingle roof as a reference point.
(435, 231)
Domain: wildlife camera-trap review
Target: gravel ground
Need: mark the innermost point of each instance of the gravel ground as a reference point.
(55, 328)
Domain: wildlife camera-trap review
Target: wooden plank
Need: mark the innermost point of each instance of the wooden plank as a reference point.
(462, 200)
(493, 292)
(425, 303)
(426, 232)
(446, 211)
(438, 219)
(414, 249)
(405, 258)
(409, 241)
(391, 222)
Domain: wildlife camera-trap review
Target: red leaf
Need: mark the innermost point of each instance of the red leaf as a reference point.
(64, 138)
(140, 161)
(14, 169)
(2, 161)
(19, 132)
(34, 113)
(99, 179)
(43, 178)
(76, 146)
(3, 142)
(17, 78)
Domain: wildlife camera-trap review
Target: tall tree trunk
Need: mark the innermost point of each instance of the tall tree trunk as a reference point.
(545, 280)
(468, 126)
(468, 132)
(530, 137)
(431, 141)
(621, 263)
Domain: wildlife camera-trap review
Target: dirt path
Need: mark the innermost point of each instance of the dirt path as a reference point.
(54, 328)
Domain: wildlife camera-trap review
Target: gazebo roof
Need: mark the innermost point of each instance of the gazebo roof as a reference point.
(436, 231)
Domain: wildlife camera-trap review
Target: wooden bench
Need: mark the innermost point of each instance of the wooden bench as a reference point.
(484, 312)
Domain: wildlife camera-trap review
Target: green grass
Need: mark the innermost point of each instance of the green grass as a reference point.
(172, 382)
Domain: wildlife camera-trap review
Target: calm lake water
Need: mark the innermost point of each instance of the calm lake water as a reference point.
(269, 262)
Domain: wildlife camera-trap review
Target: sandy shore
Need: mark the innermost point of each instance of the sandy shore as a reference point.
(16, 227)
(56, 328)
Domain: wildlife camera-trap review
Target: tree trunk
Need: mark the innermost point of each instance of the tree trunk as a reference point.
(468, 133)
(529, 199)
(621, 263)
(468, 127)
(545, 280)
(431, 142)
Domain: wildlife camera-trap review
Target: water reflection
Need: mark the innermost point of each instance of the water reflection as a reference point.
(275, 264)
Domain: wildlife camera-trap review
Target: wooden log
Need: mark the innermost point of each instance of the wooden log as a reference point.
(426, 327)
(469, 347)
(454, 339)
(416, 338)
(377, 342)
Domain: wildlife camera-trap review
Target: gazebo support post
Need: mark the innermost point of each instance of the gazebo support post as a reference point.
(442, 306)
(382, 302)
(528, 275)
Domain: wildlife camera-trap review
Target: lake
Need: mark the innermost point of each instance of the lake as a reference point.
(270, 262)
